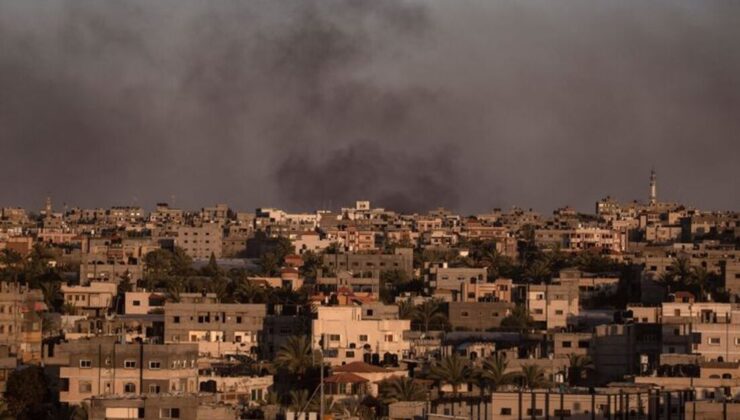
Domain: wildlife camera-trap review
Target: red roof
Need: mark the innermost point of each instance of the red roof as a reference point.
(359, 367)
(345, 378)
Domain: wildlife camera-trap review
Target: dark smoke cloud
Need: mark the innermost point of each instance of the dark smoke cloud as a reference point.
(413, 104)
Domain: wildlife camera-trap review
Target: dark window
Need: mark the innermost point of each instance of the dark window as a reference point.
(176, 320)
(566, 344)
(505, 411)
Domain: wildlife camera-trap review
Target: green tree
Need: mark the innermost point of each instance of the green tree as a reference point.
(406, 309)
(430, 313)
(533, 377)
(453, 370)
(27, 390)
(246, 292)
(401, 389)
(11, 263)
(296, 356)
(519, 319)
(579, 366)
(538, 271)
(493, 372)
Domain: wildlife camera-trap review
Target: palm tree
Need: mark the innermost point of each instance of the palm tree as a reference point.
(429, 313)
(699, 279)
(538, 270)
(220, 287)
(299, 400)
(453, 370)
(52, 294)
(519, 318)
(296, 355)
(175, 287)
(401, 389)
(351, 409)
(246, 292)
(493, 372)
(533, 376)
(681, 270)
(578, 366)
(406, 309)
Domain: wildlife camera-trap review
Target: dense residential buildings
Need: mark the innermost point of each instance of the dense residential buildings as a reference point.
(219, 313)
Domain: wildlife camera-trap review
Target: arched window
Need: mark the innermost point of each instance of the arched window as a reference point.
(129, 387)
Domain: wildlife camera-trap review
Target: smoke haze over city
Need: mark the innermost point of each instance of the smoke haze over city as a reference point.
(411, 104)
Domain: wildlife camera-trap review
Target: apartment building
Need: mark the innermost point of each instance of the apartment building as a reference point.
(217, 328)
(94, 298)
(200, 242)
(99, 270)
(478, 316)
(363, 281)
(104, 367)
(444, 277)
(20, 320)
(346, 336)
(188, 406)
(402, 259)
(554, 305)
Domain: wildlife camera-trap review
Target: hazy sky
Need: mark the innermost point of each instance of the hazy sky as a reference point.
(412, 104)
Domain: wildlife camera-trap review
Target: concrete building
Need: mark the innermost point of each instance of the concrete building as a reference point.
(200, 242)
(95, 298)
(346, 336)
(402, 259)
(20, 320)
(555, 305)
(189, 406)
(478, 316)
(217, 328)
(104, 367)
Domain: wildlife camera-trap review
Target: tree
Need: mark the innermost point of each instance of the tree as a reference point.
(493, 372)
(401, 389)
(53, 298)
(430, 313)
(299, 400)
(453, 370)
(578, 366)
(699, 279)
(12, 263)
(538, 271)
(269, 264)
(406, 309)
(533, 377)
(246, 292)
(296, 356)
(26, 391)
(519, 319)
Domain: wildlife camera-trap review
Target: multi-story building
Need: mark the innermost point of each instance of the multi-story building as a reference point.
(104, 367)
(183, 406)
(217, 328)
(554, 305)
(20, 321)
(402, 259)
(478, 316)
(346, 336)
(200, 242)
(94, 298)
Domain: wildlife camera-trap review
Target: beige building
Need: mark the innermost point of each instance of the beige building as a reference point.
(20, 320)
(346, 336)
(555, 305)
(188, 406)
(217, 328)
(95, 298)
(200, 242)
(103, 367)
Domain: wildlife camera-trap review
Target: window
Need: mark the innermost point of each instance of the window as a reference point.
(137, 303)
(238, 319)
(129, 364)
(85, 387)
(363, 337)
(86, 364)
(333, 337)
(129, 388)
(464, 314)
(169, 413)
(584, 344)
(176, 319)
(370, 312)
(737, 341)
(155, 364)
(559, 312)
(538, 311)
(537, 412)
(566, 344)
(154, 389)
(505, 411)
(714, 341)
(389, 338)
(566, 413)
(350, 354)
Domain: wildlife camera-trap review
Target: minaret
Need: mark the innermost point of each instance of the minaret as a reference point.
(653, 196)
(47, 207)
